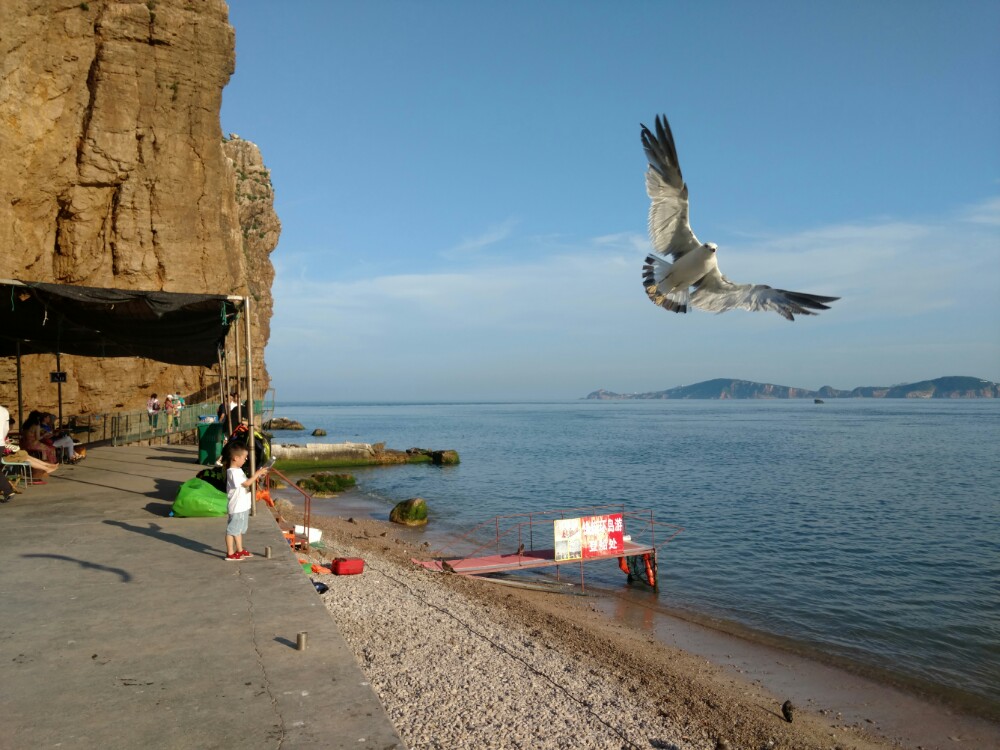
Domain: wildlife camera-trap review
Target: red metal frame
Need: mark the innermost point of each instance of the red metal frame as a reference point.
(640, 525)
(307, 513)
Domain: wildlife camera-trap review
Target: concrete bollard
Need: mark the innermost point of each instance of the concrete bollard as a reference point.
(267, 553)
(300, 641)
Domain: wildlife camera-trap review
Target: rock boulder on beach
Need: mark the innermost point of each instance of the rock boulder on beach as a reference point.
(412, 512)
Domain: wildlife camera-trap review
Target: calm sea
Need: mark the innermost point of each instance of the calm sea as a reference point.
(866, 529)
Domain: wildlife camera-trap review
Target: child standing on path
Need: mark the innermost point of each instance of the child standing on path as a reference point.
(240, 499)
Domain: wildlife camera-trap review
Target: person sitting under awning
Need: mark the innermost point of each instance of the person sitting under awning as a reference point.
(16, 454)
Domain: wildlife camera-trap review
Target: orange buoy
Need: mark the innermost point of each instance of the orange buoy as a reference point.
(650, 574)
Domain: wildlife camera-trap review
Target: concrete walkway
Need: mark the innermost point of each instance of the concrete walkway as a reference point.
(123, 628)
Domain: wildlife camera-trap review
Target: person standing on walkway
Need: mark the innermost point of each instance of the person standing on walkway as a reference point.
(240, 499)
(227, 413)
(153, 410)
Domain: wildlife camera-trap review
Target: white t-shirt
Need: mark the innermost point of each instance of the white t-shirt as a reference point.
(239, 496)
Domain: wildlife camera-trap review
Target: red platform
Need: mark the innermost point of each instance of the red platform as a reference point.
(535, 558)
(520, 532)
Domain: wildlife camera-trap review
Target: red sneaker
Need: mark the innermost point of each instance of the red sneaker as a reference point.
(245, 553)
(235, 557)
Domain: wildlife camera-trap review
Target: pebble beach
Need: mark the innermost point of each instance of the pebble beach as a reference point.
(462, 663)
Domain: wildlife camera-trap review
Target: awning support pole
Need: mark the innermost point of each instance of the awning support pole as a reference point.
(226, 416)
(20, 395)
(59, 388)
(222, 382)
(240, 396)
(250, 438)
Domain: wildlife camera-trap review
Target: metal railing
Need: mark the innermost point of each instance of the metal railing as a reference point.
(127, 427)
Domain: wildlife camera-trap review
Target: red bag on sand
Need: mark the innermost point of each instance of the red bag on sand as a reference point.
(347, 566)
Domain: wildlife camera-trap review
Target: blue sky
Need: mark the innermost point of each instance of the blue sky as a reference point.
(464, 212)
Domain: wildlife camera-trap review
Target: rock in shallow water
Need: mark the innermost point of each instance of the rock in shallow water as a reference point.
(281, 423)
(412, 512)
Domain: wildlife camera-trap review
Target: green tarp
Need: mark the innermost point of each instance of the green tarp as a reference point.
(196, 498)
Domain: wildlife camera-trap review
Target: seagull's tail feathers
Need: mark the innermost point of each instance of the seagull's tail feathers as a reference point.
(654, 271)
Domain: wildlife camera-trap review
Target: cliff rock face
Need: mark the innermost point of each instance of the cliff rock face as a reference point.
(259, 230)
(115, 173)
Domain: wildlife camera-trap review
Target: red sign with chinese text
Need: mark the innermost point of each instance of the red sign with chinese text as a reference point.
(602, 536)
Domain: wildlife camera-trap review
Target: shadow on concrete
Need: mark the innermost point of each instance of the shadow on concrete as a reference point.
(155, 531)
(181, 459)
(166, 490)
(286, 642)
(122, 573)
(161, 509)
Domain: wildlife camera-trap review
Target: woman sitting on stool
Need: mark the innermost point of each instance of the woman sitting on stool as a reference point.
(31, 438)
(61, 441)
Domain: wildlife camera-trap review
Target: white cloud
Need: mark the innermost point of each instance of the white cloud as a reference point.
(576, 318)
(492, 236)
(987, 212)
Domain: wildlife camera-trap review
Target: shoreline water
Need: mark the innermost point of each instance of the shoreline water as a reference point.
(844, 697)
(863, 530)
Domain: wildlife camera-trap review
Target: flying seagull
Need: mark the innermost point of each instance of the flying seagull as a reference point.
(693, 277)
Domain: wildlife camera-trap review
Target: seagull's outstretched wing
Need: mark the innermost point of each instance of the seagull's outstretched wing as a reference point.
(716, 293)
(668, 212)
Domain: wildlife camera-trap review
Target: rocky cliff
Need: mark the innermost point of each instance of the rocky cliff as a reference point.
(259, 230)
(115, 173)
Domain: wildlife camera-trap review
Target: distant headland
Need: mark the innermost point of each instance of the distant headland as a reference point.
(725, 388)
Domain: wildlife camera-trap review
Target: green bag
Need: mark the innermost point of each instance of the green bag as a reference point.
(196, 498)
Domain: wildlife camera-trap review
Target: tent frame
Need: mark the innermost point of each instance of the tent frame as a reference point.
(242, 305)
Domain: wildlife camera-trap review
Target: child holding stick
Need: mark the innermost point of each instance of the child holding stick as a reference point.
(240, 499)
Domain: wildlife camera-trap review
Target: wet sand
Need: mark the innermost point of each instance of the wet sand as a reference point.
(466, 663)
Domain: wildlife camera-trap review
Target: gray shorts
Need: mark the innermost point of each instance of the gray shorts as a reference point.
(237, 523)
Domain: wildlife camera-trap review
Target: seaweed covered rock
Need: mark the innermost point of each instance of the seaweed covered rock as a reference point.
(318, 432)
(326, 484)
(412, 512)
(281, 423)
(445, 458)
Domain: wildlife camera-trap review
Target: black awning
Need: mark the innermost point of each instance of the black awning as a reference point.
(180, 329)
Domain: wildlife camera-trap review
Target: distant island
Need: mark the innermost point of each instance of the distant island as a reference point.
(723, 388)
